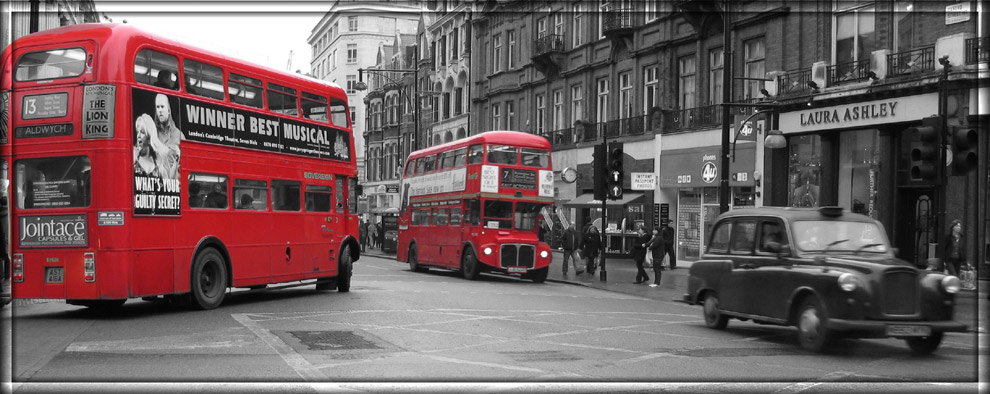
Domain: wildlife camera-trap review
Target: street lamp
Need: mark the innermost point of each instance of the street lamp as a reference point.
(361, 85)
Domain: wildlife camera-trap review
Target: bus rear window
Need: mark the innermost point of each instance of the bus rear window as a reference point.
(53, 182)
(51, 64)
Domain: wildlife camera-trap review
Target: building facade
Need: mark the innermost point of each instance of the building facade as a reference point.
(19, 18)
(846, 83)
(346, 39)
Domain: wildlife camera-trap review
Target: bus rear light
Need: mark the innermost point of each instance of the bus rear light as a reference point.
(17, 268)
(89, 267)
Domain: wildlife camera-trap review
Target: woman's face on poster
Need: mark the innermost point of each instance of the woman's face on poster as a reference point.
(142, 138)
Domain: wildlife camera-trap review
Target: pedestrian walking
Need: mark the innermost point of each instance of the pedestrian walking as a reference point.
(639, 255)
(363, 234)
(590, 245)
(668, 239)
(372, 233)
(569, 243)
(954, 251)
(657, 248)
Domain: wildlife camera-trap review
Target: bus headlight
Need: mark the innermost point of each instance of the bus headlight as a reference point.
(544, 254)
(487, 251)
(848, 282)
(950, 284)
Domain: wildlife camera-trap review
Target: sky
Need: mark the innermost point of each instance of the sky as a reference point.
(262, 32)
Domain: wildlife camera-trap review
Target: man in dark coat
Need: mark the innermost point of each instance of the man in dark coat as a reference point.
(569, 242)
(658, 248)
(363, 234)
(639, 255)
(668, 239)
(591, 244)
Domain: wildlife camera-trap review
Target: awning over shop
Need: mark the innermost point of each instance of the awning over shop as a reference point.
(588, 200)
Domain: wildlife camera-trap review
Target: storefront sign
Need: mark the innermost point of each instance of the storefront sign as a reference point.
(391, 188)
(868, 113)
(956, 13)
(699, 167)
(643, 180)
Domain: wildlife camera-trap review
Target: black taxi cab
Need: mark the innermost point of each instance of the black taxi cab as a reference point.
(826, 271)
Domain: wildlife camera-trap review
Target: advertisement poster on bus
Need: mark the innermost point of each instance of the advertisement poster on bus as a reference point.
(157, 187)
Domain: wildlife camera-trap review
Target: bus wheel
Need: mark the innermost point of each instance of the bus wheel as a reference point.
(413, 258)
(344, 270)
(469, 265)
(540, 275)
(209, 279)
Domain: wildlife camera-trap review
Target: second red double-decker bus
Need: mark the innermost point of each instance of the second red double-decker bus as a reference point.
(474, 205)
(142, 167)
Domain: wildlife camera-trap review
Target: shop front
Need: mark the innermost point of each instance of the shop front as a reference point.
(622, 218)
(692, 175)
(858, 156)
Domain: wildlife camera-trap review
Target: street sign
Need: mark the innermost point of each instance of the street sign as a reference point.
(643, 180)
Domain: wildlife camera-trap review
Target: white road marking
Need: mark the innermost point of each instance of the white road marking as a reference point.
(293, 359)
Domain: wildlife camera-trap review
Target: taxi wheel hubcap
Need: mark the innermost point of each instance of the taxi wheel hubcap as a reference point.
(810, 324)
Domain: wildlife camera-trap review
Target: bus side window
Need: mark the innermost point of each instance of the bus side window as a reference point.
(455, 216)
(472, 212)
(285, 195)
(420, 165)
(459, 157)
(475, 154)
(282, 100)
(410, 167)
(338, 112)
(318, 198)
(314, 106)
(156, 69)
(207, 191)
(249, 194)
(244, 90)
(441, 216)
(203, 79)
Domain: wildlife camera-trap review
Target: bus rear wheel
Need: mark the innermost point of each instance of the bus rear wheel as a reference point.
(413, 259)
(344, 270)
(469, 265)
(209, 279)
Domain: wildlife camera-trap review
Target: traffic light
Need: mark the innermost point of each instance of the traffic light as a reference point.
(964, 144)
(925, 143)
(599, 171)
(614, 170)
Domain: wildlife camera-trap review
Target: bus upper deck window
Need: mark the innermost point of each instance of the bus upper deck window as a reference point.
(535, 157)
(156, 69)
(475, 154)
(338, 113)
(51, 64)
(502, 154)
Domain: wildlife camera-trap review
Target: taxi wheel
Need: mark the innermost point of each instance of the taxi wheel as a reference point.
(209, 279)
(812, 326)
(413, 259)
(925, 345)
(713, 316)
(469, 265)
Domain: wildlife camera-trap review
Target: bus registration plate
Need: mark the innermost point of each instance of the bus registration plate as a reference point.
(899, 330)
(517, 270)
(53, 275)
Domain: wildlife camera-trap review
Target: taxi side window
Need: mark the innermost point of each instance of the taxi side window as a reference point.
(771, 231)
(742, 237)
(720, 238)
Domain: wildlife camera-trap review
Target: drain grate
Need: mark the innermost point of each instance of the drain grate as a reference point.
(333, 340)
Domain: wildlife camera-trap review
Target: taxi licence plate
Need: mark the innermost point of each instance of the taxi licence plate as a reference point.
(898, 330)
(517, 270)
(54, 275)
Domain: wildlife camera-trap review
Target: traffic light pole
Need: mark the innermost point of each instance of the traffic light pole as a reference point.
(941, 173)
(603, 276)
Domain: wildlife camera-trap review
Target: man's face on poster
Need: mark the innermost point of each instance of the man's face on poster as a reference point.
(162, 108)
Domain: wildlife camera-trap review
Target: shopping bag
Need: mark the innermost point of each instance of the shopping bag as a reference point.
(648, 262)
(967, 276)
(666, 262)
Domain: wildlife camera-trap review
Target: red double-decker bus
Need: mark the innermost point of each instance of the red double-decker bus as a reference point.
(474, 205)
(141, 167)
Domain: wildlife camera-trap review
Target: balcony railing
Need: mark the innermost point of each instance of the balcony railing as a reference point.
(548, 44)
(855, 71)
(616, 20)
(793, 82)
(706, 116)
(977, 49)
(911, 62)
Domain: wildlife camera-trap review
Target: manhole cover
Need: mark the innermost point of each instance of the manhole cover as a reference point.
(333, 340)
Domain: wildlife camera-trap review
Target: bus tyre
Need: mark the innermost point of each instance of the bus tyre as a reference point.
(209, 279)
(469, 264)
(413, 259)
(344, 270)
(540, 275)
